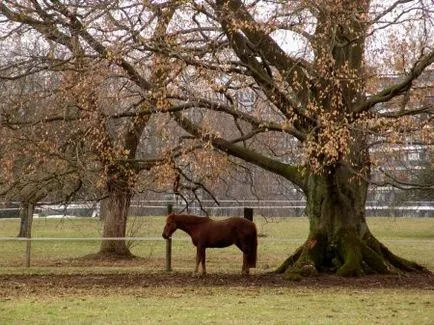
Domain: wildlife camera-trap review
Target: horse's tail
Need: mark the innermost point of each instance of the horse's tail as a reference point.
(253, 249)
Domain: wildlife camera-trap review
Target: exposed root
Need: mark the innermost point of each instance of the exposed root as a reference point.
(402, 263)
(399, 263)
(375, 262)
(290, 261)
(349, 256)
(300, 264)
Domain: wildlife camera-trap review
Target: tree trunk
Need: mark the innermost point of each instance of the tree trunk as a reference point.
(114, 212)
(26, 217)
(339, 239)
(104, 208)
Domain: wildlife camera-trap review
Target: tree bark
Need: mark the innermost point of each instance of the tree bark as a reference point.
(114, 212)
(339, 239)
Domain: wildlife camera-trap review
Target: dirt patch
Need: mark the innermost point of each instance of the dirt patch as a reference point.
(53, 284)
(128, 278)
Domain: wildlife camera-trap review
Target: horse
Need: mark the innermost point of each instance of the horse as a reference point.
(208, 233)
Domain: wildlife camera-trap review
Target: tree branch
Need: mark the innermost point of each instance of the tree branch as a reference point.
(250, 42)
(425, 109)
(290, 172)
(399, 88)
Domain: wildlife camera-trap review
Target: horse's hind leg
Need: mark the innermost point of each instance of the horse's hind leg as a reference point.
(200, 258)
(204, 262)
(245, 268)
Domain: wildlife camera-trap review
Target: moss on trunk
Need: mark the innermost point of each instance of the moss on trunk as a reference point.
(339, 240)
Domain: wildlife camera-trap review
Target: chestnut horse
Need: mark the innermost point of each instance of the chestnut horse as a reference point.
(206, 232)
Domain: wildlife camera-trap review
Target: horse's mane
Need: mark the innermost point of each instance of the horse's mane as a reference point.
(188, 218)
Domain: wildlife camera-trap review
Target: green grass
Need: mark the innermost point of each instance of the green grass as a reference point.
(209, 304)
(219, 305)
(412, 238)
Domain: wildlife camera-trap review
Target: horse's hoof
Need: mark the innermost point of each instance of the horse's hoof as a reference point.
(198, 275)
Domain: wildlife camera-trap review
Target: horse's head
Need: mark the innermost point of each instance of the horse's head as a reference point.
(170, 226)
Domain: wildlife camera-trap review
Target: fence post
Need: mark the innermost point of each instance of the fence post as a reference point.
(29, 233)
(169, 244)
(248, 213)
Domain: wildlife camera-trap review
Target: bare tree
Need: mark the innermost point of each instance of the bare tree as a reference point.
(36, 159)
(110, 84)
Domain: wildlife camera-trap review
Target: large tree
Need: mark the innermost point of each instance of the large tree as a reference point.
(314, 78)
(109, 86)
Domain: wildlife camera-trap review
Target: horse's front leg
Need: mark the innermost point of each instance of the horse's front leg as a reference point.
(200, 258)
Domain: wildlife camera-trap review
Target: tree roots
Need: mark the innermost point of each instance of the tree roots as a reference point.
(347, 256)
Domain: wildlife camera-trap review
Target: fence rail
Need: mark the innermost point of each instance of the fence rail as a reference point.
(271, 208)
(168, 242)
(29, 240)
(82, 238)
(168, 257)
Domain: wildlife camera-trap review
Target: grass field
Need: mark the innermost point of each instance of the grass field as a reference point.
(62, 286)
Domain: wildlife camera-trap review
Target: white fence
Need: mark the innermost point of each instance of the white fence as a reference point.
(267, 208)
(168, 242)
(30, 240)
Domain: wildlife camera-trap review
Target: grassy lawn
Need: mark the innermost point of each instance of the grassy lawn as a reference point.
(219, 305)
(412, 238)
(38, 295)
